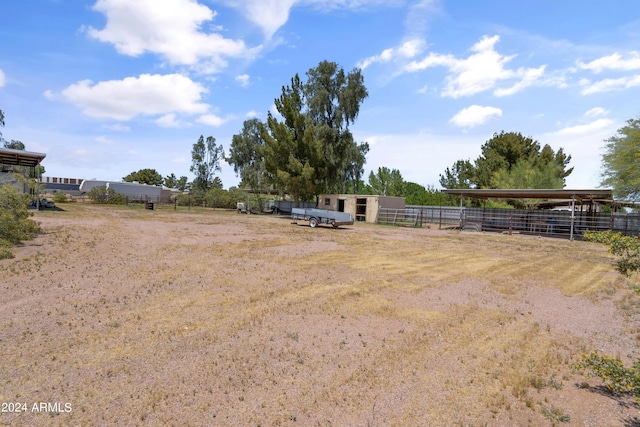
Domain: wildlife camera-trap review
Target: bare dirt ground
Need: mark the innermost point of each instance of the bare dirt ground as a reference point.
(122, 316)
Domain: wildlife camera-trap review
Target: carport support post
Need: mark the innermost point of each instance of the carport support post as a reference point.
(573, 214)
(461, 214)
(38, 176)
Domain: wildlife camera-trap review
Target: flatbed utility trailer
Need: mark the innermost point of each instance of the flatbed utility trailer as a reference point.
(320, 216)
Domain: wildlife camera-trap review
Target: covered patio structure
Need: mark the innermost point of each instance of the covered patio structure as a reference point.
(533, 221)
(19, 161)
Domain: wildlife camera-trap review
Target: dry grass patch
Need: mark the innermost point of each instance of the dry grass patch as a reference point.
(214, 318)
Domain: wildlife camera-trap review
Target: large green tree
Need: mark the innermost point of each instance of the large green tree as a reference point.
(14, 145)
(460, 175)
(205, 157)
(170, 181)
(387, 182)
(246, 154)
(416, 194)
(525, 174)
(292, 154)
(145, 176)
(183, 183)
(333, 99)
(312, 150)
(621, 162)
(510, 160)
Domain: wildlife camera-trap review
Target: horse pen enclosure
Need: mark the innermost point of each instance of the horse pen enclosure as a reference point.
(126, 316)
(551, 223)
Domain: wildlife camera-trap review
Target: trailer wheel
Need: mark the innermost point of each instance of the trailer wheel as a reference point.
(313, 222)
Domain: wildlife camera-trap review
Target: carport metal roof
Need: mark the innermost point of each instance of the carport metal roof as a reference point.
(597, 194)
(9, 156)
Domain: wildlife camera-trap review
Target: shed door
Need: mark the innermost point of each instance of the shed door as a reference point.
(361, 209)
(341, 205)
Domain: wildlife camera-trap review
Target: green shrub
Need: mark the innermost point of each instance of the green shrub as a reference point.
(617, 377)
(5, 250)
(59, 198)
(15, 224)
(103, 194)
(626, 247)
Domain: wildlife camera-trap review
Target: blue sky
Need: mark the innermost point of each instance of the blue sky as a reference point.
(108, 87)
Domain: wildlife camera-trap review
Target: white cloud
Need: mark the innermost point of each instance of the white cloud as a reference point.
(480, 71)
(252, 114)
(613, 62)
(408, 49)
(211, 120)
(431, 60)
(420, 14)
(171, 29)
(269, 15)
(168, 121)
(243, 80)
(144, 95)
(585, 129)
(2, 78)
(595, 112)
(608, 85)
(350, 4)
(117, 127)
(529, 77)
(584, 143)
(474, 115)
(103, 140)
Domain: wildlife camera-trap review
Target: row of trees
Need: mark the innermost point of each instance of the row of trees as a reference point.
(206, 156)
(308, 149)
(507, 160)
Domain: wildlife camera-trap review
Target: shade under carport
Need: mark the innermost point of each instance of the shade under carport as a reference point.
(604, 196)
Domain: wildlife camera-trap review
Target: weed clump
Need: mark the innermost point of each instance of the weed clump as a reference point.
(617, 377)
(626, 247)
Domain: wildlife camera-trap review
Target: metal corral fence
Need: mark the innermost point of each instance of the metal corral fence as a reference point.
(444, 216)
(538, 222)
(404, 217)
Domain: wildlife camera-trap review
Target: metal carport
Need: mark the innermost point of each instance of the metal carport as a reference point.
(601, 196)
